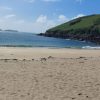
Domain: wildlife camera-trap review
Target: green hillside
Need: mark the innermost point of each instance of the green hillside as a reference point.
(84, 28)
(79, 23)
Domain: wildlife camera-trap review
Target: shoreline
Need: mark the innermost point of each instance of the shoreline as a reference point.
(22, 46)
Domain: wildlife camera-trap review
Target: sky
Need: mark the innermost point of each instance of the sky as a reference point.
(39, 15)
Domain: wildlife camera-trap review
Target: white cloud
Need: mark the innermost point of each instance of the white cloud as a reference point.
(62, 18)
(30, 1)
(10, 16)
(79, 15)
(51, 0)
(5, 8)
(80, 1)
(41, 19)
(40, 24)
(43, 23)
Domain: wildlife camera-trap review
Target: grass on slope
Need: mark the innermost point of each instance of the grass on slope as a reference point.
(79, 23)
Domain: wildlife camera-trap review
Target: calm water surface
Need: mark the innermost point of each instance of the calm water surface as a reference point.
(20, 39)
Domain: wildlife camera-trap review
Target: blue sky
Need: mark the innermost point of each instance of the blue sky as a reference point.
(39, 15)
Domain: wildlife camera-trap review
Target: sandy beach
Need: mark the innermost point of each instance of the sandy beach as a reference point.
(49, 74)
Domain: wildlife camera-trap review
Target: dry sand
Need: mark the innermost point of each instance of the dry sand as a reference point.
(49, 74)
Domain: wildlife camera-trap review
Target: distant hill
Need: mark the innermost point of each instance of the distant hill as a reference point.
(84, 28)
(9, 30)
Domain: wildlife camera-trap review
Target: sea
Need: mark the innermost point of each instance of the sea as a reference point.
(25, 39)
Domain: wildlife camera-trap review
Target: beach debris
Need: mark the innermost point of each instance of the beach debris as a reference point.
(85, 59)
(24, 59)
(6, 60)
(81, 62)
(80, 94)
(73, 98)
(43, 59)
(50, 57)
(33, 59)
(81, 58)
(87, 96)
(15, 59)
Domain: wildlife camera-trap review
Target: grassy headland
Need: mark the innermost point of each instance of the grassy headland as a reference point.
(84, 28)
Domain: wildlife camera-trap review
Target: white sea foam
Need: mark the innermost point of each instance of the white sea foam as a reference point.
(90, 47)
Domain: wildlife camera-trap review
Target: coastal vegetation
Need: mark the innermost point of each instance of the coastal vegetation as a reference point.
(85, 28)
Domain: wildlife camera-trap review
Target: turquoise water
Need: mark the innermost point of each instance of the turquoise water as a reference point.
(20, 39)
